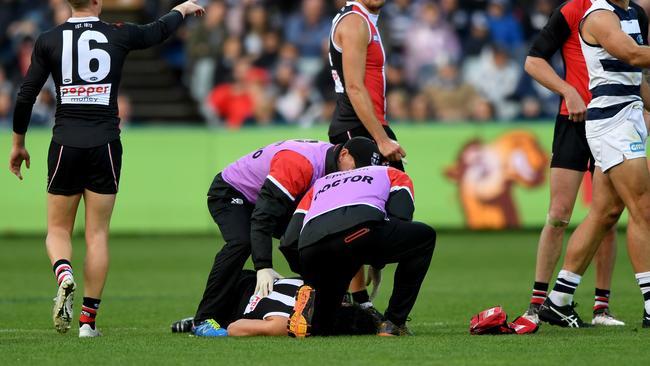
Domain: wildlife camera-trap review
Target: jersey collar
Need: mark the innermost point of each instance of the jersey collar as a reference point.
(83, 19)
(373, 17)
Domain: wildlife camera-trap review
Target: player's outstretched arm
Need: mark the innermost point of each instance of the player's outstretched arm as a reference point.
(147, 35)
(604, 28)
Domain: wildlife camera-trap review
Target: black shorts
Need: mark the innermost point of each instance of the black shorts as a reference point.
(71, 170)
(570, 147)
(343, 137)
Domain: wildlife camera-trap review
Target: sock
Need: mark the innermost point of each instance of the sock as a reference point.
(601, 300)
(89, 311)
(361, 297)
(62, 270)
(565, 287)
(643, 280)
(539, 293)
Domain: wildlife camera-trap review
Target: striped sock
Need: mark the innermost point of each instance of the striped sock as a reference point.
(89, 311)
(540, 290)
(565, 287)
(601, 301)
(643, 279)
(62, 270)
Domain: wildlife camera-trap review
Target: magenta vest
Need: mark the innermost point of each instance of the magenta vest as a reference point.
(247, 174)
(368, 186)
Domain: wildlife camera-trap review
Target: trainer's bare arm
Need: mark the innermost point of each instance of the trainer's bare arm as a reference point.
(352, 35)
(271, 326)
(603, 28)
(540, 70)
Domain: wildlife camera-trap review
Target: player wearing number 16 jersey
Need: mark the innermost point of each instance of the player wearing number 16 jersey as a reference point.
(85, 58)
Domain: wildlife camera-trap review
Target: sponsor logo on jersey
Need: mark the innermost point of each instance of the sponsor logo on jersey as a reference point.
(375, 38)
(86, 94)
(637, 146)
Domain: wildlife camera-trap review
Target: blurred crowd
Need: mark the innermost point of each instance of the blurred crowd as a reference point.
(263, 61)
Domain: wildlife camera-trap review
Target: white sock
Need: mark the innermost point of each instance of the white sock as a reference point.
(565, 287)
(643, 279)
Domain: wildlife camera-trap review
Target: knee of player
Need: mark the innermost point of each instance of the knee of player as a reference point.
(557, 221)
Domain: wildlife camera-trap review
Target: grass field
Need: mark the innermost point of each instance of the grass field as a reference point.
(155, 280)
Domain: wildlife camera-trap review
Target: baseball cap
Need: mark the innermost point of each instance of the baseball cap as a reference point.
(364, 151)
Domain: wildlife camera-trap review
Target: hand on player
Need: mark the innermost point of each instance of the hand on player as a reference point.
(265, 279)
(576, 106)
(18, 155)
(391, 150)
(374, 277)
(190, 7)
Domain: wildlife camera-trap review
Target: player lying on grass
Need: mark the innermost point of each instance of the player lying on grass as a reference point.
(253, 199)
(347, 219)
(613, 48)
(85, 57)
(250, 314)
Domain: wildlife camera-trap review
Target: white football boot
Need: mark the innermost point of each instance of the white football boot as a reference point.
(62, 311)
(607, 319)
(86, 331)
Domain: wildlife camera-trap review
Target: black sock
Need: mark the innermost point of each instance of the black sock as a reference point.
(89, 311)
(361, 297)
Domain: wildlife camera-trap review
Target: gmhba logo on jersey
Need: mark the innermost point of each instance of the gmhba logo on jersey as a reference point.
(86, 94)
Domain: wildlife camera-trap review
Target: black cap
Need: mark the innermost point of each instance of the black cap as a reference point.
(364, 151)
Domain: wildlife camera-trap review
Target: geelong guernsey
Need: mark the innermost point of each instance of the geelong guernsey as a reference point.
(614, 85)
(345, 118)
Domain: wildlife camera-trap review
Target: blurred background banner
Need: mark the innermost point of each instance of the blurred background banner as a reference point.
(466, 176)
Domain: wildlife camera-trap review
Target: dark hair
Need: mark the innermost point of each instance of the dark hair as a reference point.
(352, 320)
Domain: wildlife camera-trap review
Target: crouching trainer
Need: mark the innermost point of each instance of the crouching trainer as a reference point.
(252, 200)
(362, 216)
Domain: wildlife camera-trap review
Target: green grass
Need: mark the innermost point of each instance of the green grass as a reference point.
(156, 280)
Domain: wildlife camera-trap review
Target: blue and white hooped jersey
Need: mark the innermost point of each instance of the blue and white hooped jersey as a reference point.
(614, 85)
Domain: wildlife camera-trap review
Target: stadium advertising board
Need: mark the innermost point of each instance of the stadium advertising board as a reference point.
(466, 176)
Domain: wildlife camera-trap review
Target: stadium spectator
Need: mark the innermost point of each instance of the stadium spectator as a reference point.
(449, 95)
(397, 105)
(204, 46)
(397, 20)
(495, 76)
(256, 26)
(430, 43)
(234, 102)
(481, 110)
(457, 17)
(504, 28)
(478, 37)
(307, 30)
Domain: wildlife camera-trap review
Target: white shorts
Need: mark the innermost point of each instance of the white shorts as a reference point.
(625, 141)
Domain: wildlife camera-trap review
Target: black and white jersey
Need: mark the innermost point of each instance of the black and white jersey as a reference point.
(280, 302)
(85, 58)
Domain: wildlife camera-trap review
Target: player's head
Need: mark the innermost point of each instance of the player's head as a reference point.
(373, 5)
(94, 6)
(357, 152)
